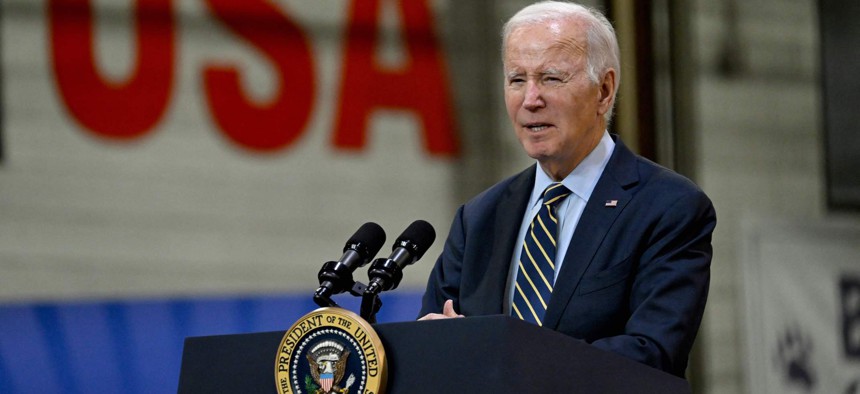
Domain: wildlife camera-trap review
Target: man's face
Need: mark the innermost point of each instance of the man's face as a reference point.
(556, 110)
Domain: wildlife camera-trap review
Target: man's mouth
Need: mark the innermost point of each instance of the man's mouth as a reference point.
(535, 127)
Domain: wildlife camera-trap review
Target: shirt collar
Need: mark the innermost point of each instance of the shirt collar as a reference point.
(584, 177)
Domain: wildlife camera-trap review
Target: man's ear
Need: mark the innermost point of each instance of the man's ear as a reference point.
(606, 91)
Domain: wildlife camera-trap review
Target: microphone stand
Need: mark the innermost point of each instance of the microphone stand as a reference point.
(370, 304)
(384, 274)
(335, 278)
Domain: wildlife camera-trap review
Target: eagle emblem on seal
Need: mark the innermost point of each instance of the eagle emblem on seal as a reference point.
(327, 361)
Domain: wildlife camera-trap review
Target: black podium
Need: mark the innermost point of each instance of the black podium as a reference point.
(492, 354)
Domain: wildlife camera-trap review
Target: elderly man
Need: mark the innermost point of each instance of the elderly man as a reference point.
(592, 241)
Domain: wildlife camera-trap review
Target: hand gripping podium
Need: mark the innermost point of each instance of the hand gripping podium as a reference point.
(490, 354)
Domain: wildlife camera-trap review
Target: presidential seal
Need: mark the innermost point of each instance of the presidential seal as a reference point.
(330, 351)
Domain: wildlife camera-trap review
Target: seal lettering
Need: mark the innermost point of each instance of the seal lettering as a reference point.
(330, 351)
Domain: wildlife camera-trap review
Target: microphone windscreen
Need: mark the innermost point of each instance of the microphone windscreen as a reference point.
(370, 236)
(421, 234)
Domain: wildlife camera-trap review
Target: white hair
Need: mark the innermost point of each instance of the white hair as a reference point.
(602, 52)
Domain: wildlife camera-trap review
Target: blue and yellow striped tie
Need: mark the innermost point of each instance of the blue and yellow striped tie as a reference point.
(536, 273)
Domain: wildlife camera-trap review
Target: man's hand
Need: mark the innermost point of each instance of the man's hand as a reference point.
(447, 312)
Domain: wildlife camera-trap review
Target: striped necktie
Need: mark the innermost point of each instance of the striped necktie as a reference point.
(536, 273)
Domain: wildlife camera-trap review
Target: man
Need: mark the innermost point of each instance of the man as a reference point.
(620, 257)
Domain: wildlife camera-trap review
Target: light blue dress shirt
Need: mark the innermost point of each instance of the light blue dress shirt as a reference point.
(580, 182)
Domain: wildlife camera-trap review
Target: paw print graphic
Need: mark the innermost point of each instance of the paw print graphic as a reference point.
(793, 359)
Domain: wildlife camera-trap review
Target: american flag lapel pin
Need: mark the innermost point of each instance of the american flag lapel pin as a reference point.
(611, 203)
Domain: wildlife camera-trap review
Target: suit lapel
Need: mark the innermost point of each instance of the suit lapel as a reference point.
(507, 218)
(620, 173)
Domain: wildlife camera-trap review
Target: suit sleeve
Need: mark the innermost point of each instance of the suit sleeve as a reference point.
(444, 280)
(670, 287)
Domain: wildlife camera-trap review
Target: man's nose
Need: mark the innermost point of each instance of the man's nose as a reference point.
(533, 99)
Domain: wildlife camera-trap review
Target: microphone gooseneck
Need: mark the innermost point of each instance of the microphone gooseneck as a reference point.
(335, 277)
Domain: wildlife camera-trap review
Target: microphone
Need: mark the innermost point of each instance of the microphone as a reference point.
(385, 274)
(335, 277)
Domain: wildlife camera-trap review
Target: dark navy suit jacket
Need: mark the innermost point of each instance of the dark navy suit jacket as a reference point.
(634, 279)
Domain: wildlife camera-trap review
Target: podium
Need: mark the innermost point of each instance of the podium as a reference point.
(489, 354)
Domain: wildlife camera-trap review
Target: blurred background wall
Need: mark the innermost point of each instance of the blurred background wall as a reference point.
(184, 167)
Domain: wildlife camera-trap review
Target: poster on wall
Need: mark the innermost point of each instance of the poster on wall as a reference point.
(801, 283)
